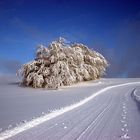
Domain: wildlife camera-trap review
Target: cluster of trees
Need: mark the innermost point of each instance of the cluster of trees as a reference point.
(62, 64)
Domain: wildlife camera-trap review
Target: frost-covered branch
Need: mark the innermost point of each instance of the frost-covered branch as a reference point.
(62, 64)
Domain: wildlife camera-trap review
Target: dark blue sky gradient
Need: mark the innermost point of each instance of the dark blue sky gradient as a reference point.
(111, 27)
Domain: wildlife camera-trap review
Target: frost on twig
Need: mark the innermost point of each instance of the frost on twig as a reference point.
(62, 64)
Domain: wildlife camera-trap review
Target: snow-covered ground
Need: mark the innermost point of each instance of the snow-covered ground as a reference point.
(136, 94)
(110, 114)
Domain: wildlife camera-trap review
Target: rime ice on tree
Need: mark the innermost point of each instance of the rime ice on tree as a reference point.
(62, 64)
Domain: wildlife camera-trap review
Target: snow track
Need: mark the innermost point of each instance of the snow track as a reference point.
(94, 123)
(96, 119)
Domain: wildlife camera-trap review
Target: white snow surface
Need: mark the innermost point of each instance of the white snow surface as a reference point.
(61, 102)
(136, 94)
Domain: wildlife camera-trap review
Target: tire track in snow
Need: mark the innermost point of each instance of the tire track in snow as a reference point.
(10, 133)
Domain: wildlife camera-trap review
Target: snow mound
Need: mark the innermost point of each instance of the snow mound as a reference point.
(136, 95)
(62, 64)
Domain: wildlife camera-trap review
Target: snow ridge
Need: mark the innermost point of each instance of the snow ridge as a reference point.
(136, 96)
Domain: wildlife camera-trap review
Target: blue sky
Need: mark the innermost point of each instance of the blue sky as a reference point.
(111, 27)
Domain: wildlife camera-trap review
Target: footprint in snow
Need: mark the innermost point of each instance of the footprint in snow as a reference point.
(65, 127)
(125, 125)
(10, 126)
(122, 121)
(123, 115)
(43, 113)
(125, 136)
(124, 107)
(126, 130)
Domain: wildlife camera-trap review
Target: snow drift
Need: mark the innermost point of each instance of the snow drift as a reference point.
(62, 64)
(136, 95)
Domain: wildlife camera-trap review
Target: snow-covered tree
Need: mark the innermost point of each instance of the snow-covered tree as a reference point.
(62, 64)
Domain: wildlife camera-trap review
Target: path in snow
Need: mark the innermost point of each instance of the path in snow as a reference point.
(99, 119)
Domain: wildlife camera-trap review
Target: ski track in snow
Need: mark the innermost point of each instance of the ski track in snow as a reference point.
(94, 122)
(28, 125)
